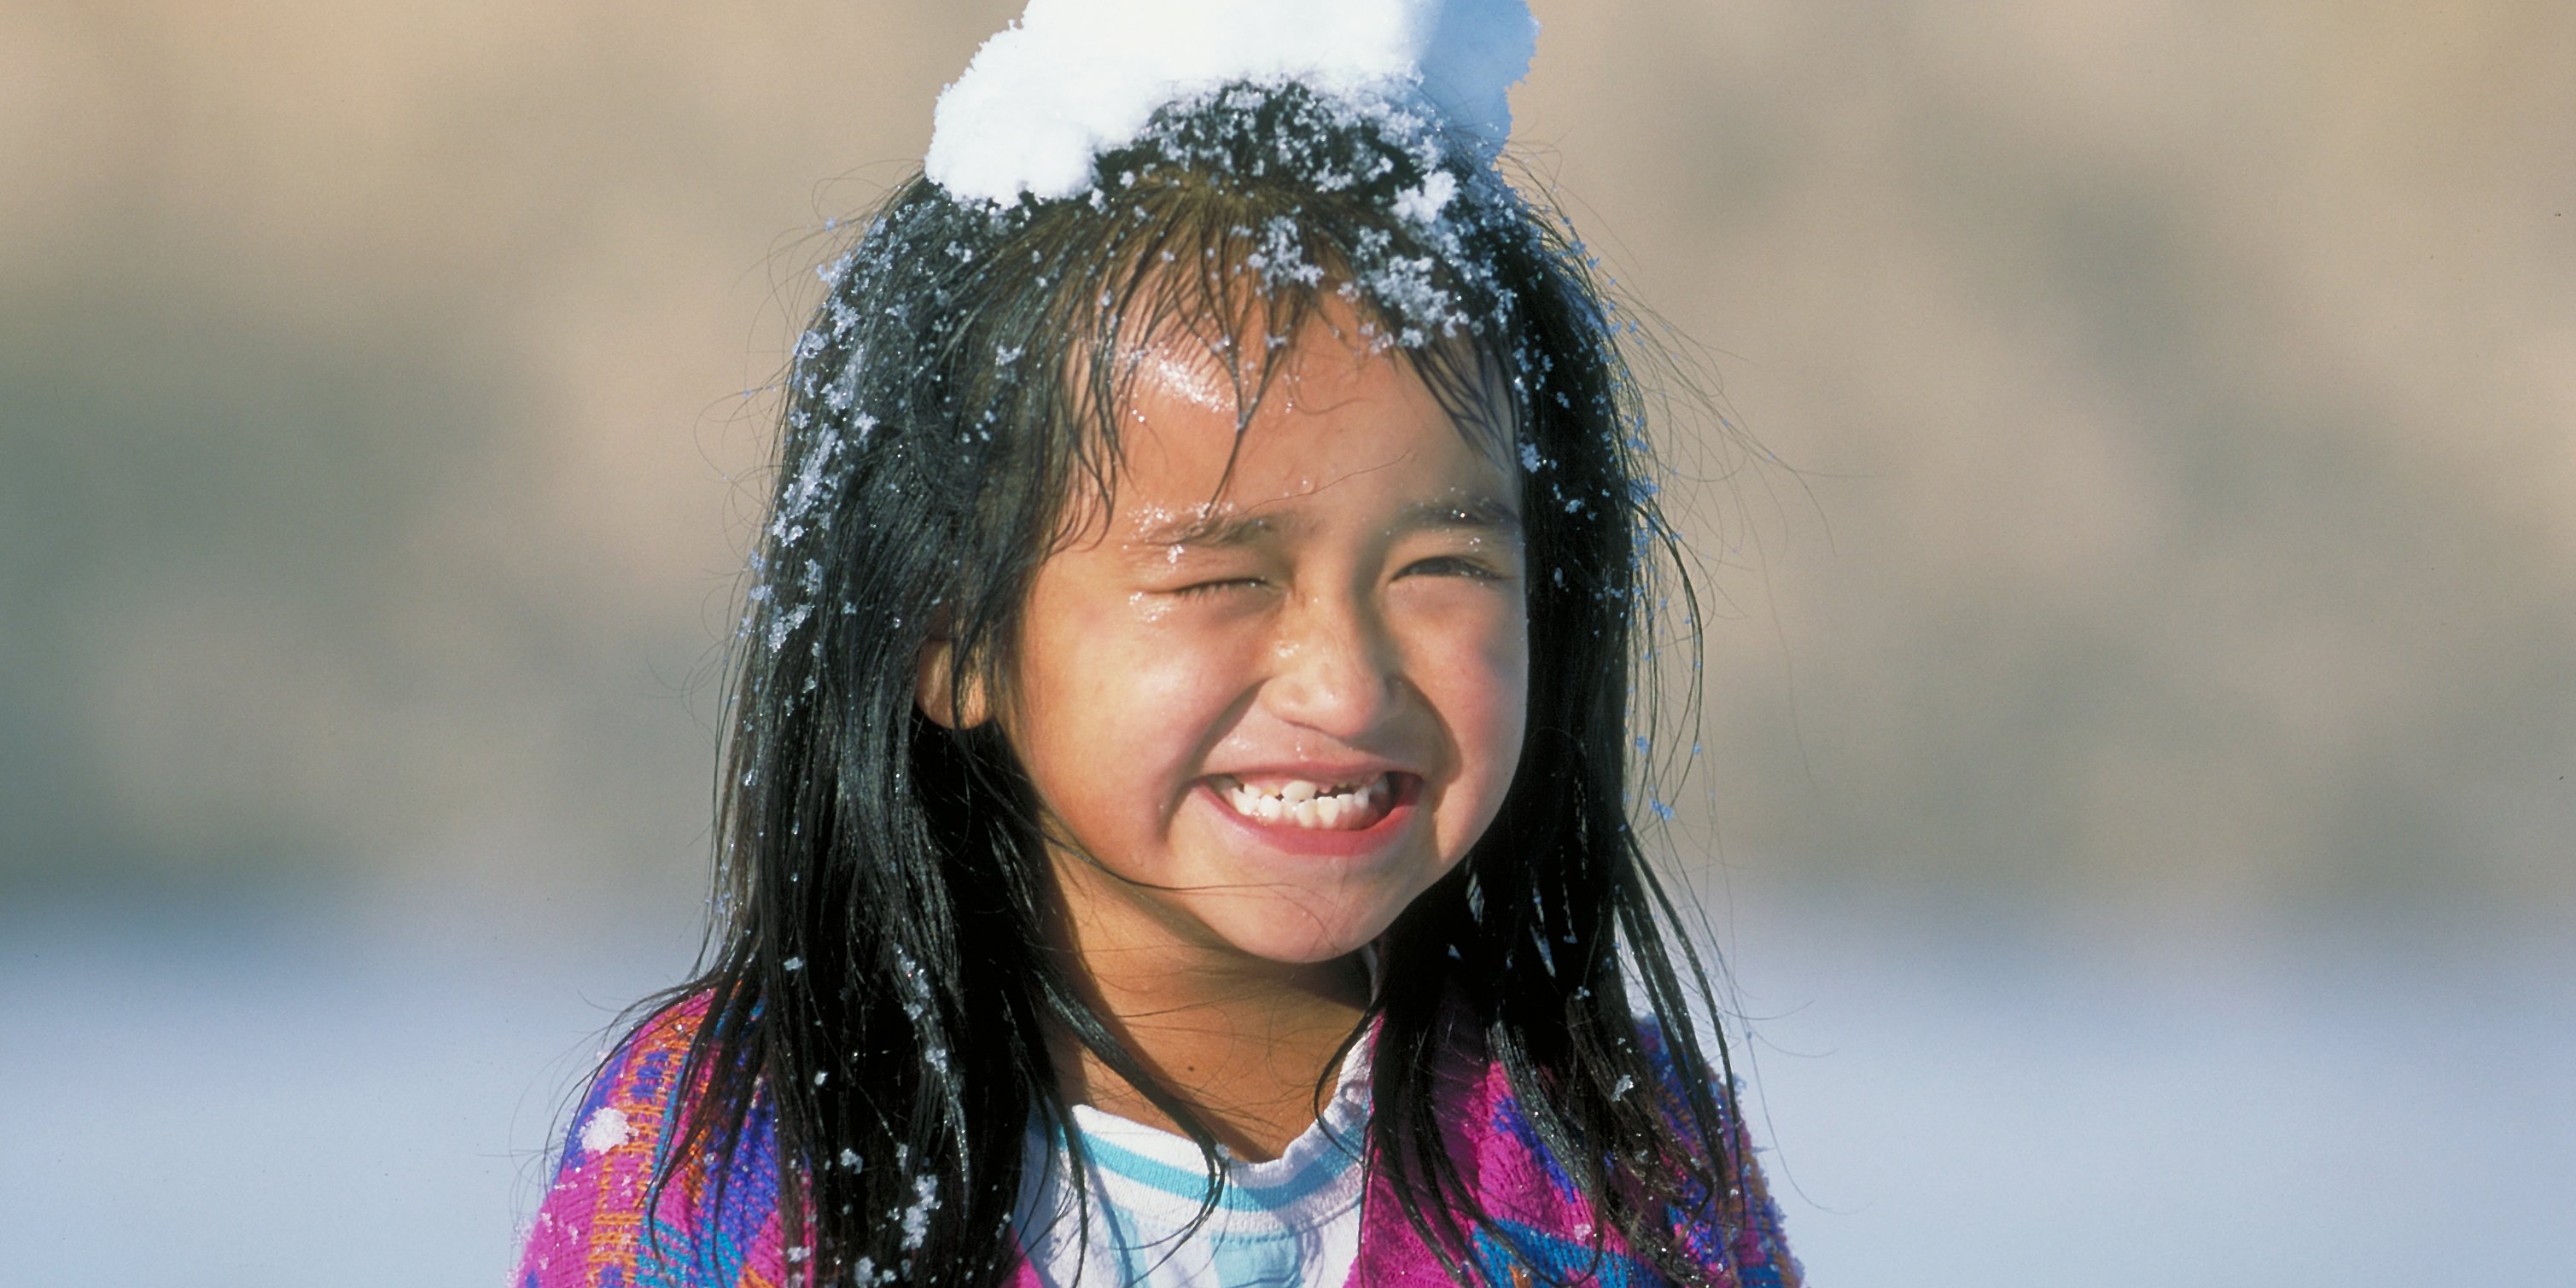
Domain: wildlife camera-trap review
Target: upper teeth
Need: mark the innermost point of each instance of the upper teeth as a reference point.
(1307, 804)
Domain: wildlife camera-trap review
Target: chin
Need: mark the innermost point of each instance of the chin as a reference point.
(1292, 935)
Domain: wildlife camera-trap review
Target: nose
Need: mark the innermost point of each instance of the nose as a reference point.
(1336, 666)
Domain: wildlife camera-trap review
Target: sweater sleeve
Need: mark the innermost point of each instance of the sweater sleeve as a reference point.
(1752, 1251)
(1760, 1253)
(601, 1224)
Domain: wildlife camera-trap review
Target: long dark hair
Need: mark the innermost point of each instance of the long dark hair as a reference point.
(876, 983)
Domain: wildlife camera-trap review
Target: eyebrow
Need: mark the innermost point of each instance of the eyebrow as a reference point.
(1221, 529)
(1490, 513)
(1212, 527)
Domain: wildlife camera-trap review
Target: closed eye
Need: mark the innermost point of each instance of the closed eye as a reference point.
(1203, 589)
(1452, 566)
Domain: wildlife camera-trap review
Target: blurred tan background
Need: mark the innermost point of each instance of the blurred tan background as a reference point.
(2177, 402)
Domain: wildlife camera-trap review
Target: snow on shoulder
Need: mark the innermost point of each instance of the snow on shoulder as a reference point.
(1045, 97)
(606, 1130)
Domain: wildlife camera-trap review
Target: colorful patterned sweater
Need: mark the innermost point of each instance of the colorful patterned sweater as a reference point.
(590, 1231)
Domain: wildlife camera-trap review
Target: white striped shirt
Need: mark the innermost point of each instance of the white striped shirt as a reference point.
(1292, 1222)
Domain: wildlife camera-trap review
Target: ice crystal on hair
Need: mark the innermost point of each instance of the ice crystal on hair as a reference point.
(1073, 80)
(1423, 205)
(807, 488)
(845, 386)
(916, 1219)
(1282, 257)
(782, 626)
(916, 985)
(1407, 284)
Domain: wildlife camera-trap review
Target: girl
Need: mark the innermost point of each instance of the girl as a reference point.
(1174, 820)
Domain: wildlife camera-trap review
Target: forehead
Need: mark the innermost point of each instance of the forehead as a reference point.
(1339, 428)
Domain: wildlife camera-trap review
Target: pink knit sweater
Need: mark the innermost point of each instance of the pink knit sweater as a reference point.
(590, 1231)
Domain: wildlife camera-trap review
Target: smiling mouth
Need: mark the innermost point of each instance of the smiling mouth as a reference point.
(1322, 807)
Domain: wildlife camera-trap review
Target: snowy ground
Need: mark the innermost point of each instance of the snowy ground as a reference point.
(248, 1098)
(2100, 1111)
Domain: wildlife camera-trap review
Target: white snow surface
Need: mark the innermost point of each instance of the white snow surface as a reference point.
(1075, 78)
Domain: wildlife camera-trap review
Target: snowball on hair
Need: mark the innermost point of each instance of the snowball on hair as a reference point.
(1072, 79)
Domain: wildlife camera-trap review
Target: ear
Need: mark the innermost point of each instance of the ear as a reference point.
(936, 696)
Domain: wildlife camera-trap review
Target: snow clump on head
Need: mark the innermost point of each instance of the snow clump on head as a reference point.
(1073, 79)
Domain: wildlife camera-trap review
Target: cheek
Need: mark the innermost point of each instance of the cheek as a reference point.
(1480, 685)
(1506, 711)
(1117, 703)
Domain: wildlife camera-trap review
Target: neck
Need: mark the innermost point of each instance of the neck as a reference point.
(1245, 1044)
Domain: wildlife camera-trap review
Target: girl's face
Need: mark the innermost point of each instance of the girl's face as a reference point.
(1265, 707)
